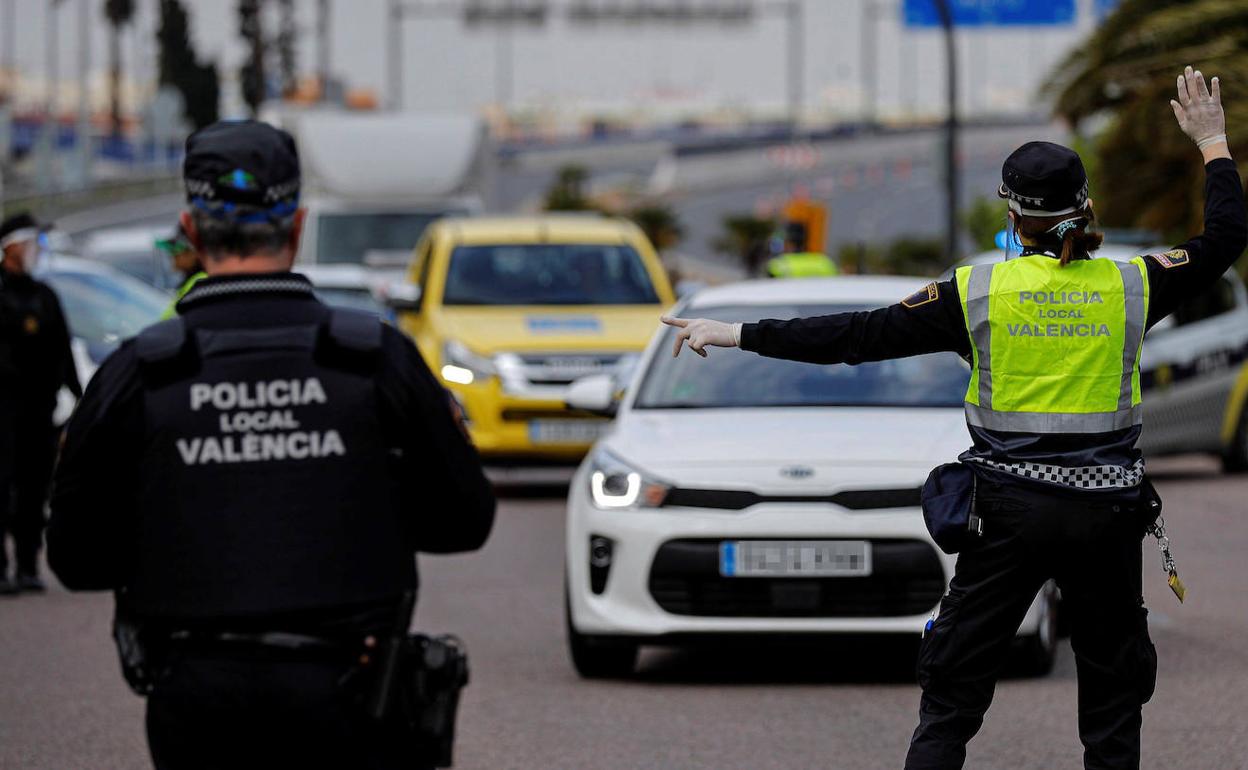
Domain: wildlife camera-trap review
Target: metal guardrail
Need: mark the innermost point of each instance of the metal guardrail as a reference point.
(58, 204)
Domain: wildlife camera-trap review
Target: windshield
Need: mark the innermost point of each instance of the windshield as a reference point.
(104, 309)
(348, 238)
(548, 274)
(351, 299)
(149, 266)
(734, 378)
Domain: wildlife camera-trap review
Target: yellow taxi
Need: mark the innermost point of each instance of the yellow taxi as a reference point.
(508, 312)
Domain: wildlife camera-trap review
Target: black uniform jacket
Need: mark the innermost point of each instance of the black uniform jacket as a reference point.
(931, 321)
(35, 355)
(452, 508)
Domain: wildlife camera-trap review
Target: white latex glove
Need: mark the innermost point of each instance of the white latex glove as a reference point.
(1199, 109)
(701, 332)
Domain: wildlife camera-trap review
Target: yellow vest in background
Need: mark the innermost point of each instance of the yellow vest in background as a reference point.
(806, 264)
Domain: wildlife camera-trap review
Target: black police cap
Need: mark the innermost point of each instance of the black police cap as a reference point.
(242, 165)
(1042, 179)
(17, 222)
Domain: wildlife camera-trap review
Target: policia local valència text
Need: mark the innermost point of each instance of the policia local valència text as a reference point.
(256, 423)
(1043, 300)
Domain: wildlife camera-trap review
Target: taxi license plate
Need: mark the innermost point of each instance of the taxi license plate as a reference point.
(795, 558)
(566, 431)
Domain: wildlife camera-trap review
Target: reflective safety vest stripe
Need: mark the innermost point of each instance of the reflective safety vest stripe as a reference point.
(183, 290)
(802, 265)
(1054, 349)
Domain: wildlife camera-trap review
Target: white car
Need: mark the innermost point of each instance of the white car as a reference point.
(133, 251)
(103, 306)
(744, 495)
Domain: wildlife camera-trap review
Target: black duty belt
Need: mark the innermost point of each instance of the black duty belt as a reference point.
(277, 641)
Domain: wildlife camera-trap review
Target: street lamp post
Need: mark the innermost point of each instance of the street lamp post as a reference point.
(322, 46)
(797, 64)
(82, 167)
(951, 133)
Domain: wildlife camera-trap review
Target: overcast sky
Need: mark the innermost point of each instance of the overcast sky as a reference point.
(647, 69)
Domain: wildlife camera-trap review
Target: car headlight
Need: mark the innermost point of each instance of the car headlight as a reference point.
(464, 367)
(615, 485)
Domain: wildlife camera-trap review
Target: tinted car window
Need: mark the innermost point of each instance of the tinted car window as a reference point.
(1216, 300)
(548, 274)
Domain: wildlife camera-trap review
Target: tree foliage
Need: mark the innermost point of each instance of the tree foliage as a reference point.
(659, 222)
(119, 13)
(252, 76)
(983, 220)
(180, 66)
(1150, 176)
(568, 193)
(745, 236)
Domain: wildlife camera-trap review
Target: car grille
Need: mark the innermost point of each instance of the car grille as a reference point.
(907, 579)
(527, 415)
(564, 369)
(737, 500)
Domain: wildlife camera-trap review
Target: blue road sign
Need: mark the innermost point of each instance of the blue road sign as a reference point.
(984, 13)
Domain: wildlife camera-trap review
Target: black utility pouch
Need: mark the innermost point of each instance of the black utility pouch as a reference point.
(948, 506)
(435, 671)
(1150, 505)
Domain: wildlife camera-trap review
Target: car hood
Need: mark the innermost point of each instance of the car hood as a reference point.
(489, 330)
(782, 449)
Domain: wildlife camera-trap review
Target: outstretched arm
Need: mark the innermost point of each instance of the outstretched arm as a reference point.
(1191, 267)
(928, 321)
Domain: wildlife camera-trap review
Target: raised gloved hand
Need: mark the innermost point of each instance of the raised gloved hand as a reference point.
(701, 332)
(1199, 109)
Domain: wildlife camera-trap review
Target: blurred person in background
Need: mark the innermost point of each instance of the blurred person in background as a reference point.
(1053, 486)
(252, 479)
(35, 361)
(185, 259)
(796, 260)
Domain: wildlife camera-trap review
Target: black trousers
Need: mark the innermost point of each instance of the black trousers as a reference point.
(240, 710)
(26, 461)
(1091, 546)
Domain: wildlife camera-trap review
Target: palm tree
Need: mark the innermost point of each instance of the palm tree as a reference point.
(1127, 70)
(119, 13)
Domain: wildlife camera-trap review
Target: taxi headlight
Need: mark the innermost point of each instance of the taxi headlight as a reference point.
(615, 485)
(464, 367)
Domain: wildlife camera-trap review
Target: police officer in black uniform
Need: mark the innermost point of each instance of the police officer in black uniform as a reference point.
(35, 361)
(252, 480)
(1060, 494)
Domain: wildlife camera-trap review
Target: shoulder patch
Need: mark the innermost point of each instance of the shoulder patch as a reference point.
(929, 293)
(1169, 259)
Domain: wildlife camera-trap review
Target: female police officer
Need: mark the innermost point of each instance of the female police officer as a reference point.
(1053, 409)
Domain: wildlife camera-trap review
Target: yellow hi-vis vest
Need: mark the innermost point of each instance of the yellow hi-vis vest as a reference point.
(805, 264)
(1056, 350)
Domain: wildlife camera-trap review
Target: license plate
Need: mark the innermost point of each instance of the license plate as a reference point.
(566, 431)
(794, 558)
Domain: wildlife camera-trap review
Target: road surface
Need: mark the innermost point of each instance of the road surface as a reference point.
(832, 705)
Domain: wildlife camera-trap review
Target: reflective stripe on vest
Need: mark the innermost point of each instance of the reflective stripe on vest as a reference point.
(1054, 349)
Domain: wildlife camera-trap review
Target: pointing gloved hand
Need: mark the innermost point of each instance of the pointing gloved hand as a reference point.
(701, 332)
(1199, 109)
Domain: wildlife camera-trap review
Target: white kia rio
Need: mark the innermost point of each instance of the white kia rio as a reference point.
(744, 495)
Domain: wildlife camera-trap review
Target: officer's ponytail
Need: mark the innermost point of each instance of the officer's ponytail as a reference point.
(1066, 235)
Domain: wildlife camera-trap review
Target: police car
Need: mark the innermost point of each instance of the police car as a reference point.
(1193, 370)
(747, 495)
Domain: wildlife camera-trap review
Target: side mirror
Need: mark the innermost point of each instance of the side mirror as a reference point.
(402, 296)
(594, 394)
